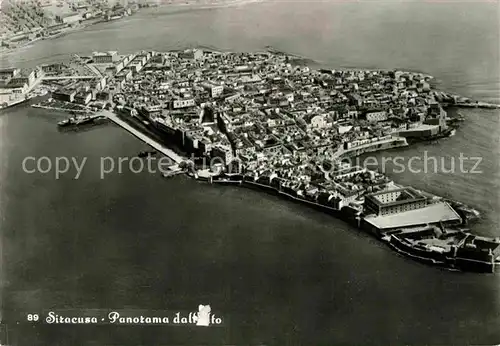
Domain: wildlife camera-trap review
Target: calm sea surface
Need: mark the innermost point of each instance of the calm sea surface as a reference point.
(277, 272)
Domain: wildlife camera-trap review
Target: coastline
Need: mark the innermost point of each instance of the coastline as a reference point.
(277, 270)
(355, 219)
(448, 261)
(355, 150)
(209, 4)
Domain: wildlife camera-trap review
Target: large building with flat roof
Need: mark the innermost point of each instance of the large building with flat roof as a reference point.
(191, 54)
(394, 201)
(8, 73)
(432, 214)
(105, 57)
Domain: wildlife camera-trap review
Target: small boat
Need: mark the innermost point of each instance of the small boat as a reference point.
(64, 122)
(79, 120)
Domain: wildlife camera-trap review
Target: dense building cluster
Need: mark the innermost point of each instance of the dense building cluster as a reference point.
(15, 83)
(279, 119)
(23, 21)
(266, 120)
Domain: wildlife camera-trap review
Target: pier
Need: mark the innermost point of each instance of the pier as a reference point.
(151, 142)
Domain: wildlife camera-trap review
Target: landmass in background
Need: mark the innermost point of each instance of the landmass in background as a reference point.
(23, 22)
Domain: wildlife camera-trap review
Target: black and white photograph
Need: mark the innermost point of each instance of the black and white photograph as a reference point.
(249, 172)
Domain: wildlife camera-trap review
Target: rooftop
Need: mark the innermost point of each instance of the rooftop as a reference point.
(8, 70)
(104, 53)
(432, 213)
(406, 194)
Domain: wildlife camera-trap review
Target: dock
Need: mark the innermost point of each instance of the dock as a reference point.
(151, 142)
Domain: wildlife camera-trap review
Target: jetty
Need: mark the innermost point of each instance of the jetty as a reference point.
(150, 141)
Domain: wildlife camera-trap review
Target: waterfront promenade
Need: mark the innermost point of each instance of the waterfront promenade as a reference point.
(150, 141)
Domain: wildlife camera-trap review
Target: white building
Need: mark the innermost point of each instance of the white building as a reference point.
(214, 89)
(376, 116)
(191, 54)
(83, 97)
(6, 96)
(105, 57)
(223, 152)
(9, 73)
(183, 103)
(352, 114)
(320, 121)
(71, 18)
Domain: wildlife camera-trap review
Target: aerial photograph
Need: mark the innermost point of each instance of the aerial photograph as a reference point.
(249, 172)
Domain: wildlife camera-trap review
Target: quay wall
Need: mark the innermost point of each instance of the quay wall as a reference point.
(61, 109)
(432, 257)
(346, 214)
(396, 142)
(339, 213)
(445, 259)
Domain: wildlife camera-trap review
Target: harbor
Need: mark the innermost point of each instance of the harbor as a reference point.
(277, 271)
(151, 142)
(221, 131)
(54, 105)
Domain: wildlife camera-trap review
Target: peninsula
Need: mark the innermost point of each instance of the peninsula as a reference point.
(267, 121)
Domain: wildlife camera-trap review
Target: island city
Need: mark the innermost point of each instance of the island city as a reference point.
(267, 121)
